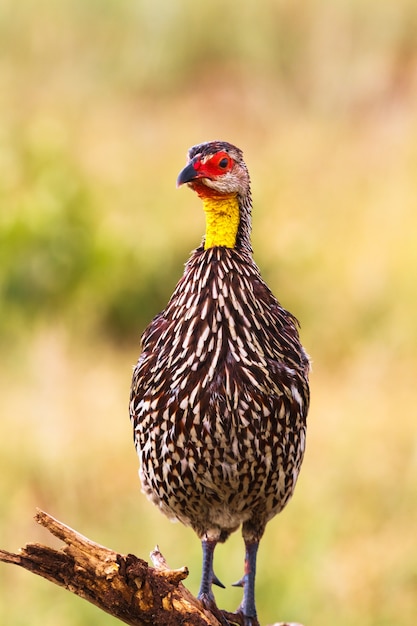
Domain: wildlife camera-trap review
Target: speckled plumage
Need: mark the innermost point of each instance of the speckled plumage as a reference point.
(220, 394)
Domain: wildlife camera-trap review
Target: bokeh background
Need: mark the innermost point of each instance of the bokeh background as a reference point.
(99, 102)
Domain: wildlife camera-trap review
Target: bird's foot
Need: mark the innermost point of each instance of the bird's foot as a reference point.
(239, 619)
(209, 603)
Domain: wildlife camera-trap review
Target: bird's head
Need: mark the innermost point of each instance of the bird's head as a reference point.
(217, 172)
(215, 168)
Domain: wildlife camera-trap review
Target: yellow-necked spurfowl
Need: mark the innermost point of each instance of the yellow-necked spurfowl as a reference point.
(220, 392)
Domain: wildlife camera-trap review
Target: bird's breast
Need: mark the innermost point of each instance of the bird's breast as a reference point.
(220, 375)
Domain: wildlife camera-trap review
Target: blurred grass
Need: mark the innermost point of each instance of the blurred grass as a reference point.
(99, 102)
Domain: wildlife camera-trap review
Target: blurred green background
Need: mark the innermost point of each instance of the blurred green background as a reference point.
(99, 102)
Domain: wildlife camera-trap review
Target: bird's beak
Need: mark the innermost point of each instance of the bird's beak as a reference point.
(188, 174)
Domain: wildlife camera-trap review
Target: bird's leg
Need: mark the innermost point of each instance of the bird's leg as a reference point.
(247, 608)
(208, 578)
(207, 573)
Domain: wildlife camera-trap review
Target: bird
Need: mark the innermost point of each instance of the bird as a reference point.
(220, 392)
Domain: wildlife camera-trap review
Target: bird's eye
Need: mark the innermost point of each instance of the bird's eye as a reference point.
(223, 163)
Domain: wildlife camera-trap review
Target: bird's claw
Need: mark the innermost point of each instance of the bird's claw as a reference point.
(217, 582)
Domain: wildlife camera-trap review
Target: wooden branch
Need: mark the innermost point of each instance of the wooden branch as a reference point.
(122, 585)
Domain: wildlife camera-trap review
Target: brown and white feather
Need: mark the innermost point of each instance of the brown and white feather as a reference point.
(220, 397)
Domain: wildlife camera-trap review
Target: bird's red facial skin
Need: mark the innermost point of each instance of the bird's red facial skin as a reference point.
(220, 163)
(212, 167)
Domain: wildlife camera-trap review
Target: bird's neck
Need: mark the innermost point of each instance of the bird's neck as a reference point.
(222, 220)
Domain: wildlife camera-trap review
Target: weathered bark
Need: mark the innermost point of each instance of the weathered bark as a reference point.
(122, 585)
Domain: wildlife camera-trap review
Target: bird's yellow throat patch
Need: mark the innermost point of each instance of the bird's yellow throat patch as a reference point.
(222, 221)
